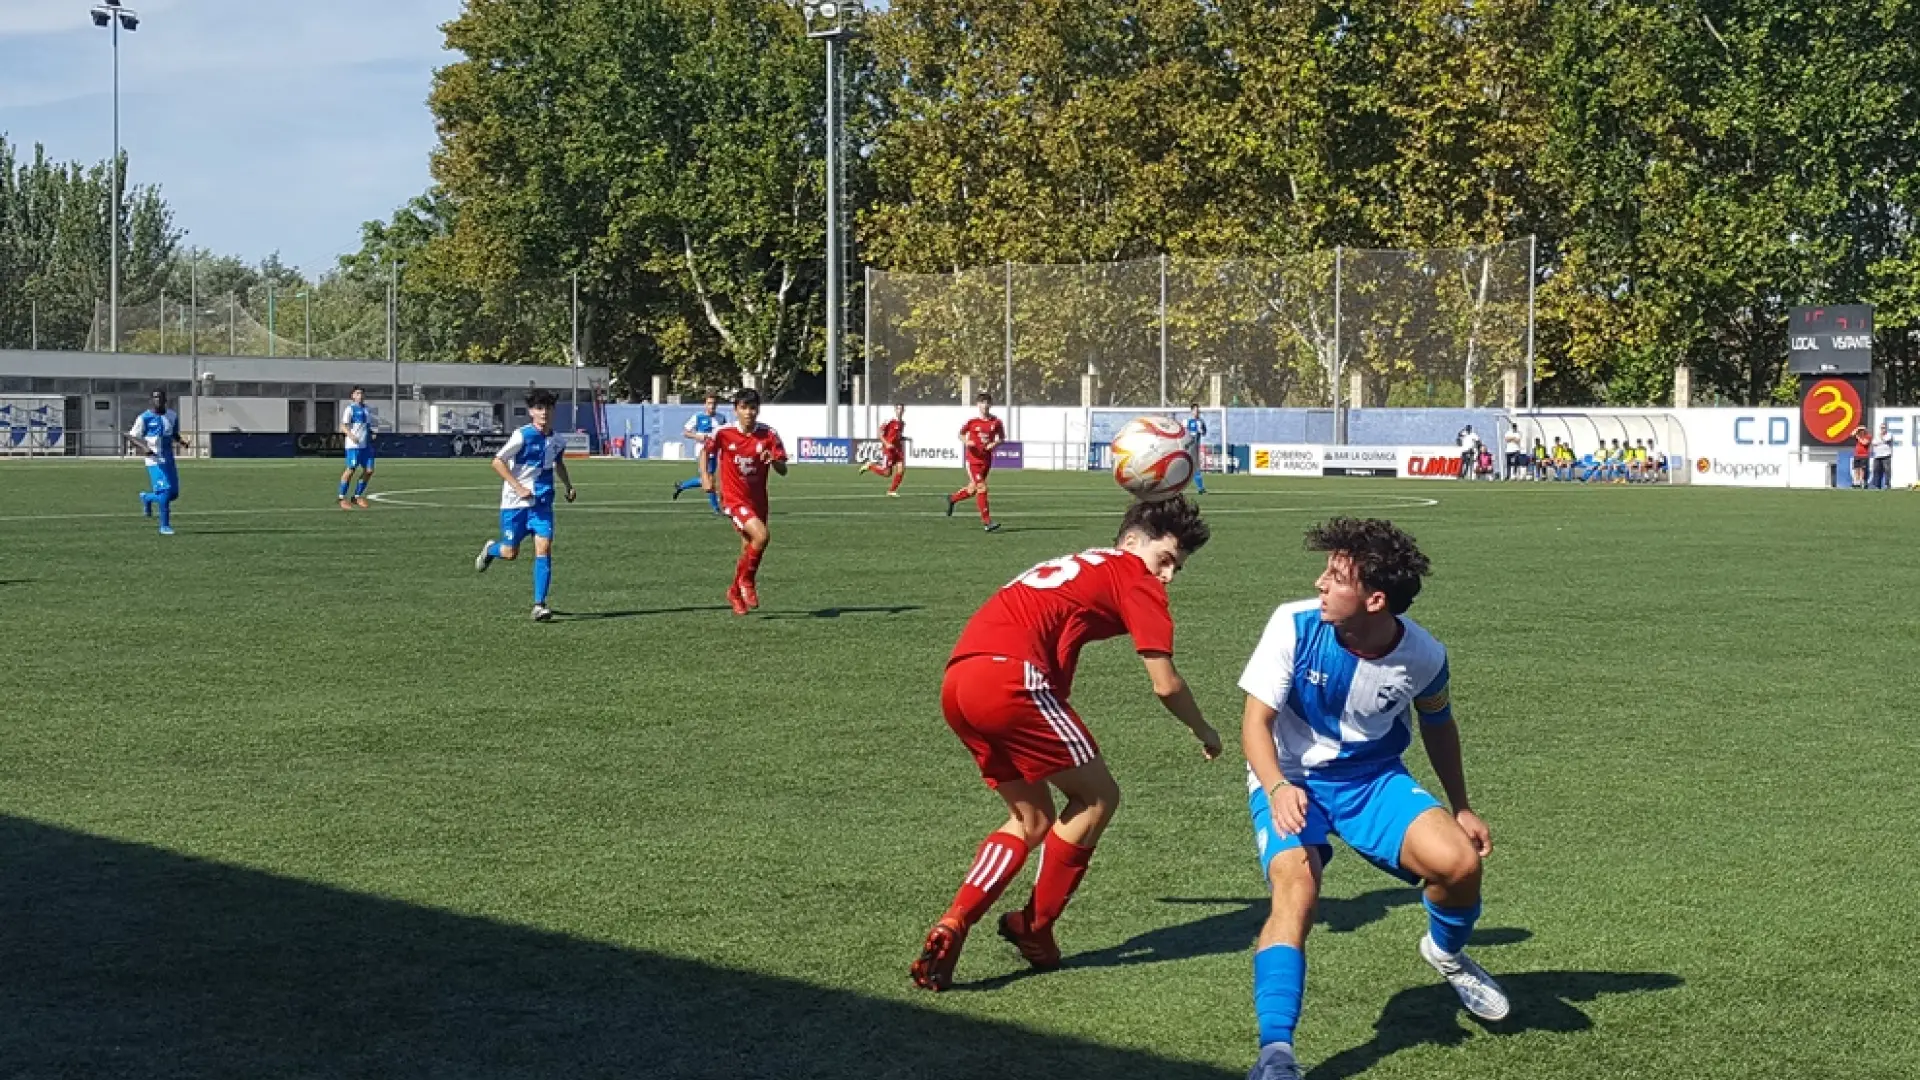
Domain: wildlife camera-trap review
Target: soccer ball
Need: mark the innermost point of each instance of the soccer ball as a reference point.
(1151, 459)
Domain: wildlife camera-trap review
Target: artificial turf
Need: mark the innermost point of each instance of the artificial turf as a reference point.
(295, 792)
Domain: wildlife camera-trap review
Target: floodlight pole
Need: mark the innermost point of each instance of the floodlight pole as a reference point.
(111, 16)
(193, 342)
(832, 20)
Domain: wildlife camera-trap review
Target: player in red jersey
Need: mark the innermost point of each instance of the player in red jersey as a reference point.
(893, 451)
(742, 452)
(1005, 695)
(978, 437)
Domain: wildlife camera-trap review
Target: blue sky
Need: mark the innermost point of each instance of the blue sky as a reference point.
(270, 125)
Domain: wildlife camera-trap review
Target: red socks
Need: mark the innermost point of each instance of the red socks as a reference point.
(1000, 857)
(748, 567)
(1062, 865)
(897, 477)
(980, 500)
(957, 496)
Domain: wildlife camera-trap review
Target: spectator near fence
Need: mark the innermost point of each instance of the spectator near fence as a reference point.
(1882, 460)
(1469, 452)
(1516, 453)
(1862, 453)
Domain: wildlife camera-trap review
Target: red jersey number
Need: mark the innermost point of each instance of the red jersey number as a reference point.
(1057, 572)
(1047, 614)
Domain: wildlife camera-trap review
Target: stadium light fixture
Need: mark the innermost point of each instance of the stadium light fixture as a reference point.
(111, 15)
(833, 21)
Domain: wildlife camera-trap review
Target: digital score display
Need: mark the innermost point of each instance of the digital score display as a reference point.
(1832, 340)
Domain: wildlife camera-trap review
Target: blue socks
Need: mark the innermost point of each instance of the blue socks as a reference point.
(343, 489)
(688, 485)
(166, 512)
(1279, 981)
(713, 500)
(493, 549)
(1450, 927)
(360, 488)
(542, 577)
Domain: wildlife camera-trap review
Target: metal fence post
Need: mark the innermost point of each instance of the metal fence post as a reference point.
(1163, 330)
(1339, 260)
(1533, 243)
(1007, 335)
(866, 344)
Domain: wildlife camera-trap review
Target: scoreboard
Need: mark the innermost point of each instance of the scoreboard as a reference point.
(1832, 340)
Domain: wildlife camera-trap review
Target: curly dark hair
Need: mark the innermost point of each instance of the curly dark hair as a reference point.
(1386, 559)
(541, 399)
(1177, 517)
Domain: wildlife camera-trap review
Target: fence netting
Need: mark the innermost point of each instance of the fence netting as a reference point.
(1435, 327)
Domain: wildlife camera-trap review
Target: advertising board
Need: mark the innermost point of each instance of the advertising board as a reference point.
(1292, 459)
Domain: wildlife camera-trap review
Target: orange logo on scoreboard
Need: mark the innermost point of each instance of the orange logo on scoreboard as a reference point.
(1831, 410)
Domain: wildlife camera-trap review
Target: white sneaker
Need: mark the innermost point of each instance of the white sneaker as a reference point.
(483, 560)
(542, 613)
(1479, 994)
(1276, 1063)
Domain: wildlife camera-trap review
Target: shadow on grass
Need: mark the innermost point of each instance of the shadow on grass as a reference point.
(1235, 929)
(124, 960)
(836, 612)
(639, 613)
(1431, 1015)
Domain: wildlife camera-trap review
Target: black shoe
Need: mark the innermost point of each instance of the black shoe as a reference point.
(951, 503)
(677, 489)
(992, 526)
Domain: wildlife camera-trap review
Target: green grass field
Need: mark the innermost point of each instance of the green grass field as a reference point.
(296, 793)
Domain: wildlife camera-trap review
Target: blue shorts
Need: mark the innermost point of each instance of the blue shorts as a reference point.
(1371, 812)
(360, 458)
(516, 524)
(165, 480)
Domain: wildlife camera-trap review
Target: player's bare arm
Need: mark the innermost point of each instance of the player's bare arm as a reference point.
(1288, 801)
(560, 470)
(1443, 752)
(1177, 697)
(520, 489)
(779, 465)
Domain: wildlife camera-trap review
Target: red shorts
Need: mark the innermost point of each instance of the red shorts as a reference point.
(978, 468)
(891, 457)
(1011, 721)
(741, 513)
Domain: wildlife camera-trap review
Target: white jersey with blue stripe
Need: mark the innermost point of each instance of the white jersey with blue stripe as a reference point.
(1337, 713)
(157, 431)
(530, 455)
(1196, 431)
(703, 424)
(358, 420)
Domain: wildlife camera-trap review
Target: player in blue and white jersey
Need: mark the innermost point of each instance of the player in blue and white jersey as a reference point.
(154, 434)
(1196, 445)
(1334, 691)
(356, 423)
(527, 465)
(700, 427)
